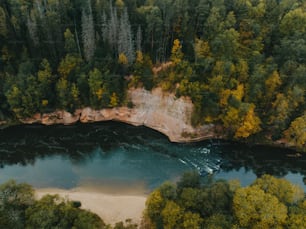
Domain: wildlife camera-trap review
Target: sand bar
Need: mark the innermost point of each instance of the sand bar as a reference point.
(111, 208)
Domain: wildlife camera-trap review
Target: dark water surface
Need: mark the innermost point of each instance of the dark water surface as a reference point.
(120, 155)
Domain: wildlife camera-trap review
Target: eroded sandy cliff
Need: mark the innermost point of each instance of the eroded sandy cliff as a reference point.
(154, 109)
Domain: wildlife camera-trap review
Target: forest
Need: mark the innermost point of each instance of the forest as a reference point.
(20, 209)
(268, 202)
(242, 62)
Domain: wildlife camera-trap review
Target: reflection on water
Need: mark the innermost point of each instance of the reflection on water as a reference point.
(114, 153)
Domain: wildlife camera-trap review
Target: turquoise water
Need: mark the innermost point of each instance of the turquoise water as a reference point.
(120, 155)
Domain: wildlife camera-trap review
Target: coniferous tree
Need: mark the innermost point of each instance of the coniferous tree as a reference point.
(125, 38)
(32, 28)
(112, 28)
(138, 39)
(88, 33)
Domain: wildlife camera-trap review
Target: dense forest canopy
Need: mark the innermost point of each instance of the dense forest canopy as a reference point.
(19, 209)
(268, 202)
(242, 62)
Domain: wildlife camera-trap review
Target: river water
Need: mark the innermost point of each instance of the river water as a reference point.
(120, 156)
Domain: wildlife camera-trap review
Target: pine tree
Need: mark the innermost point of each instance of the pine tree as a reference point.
(104, 27)
(32, 28)
(112, 28)
(138, 39)
(88, 33)
(125, 38)
(3, 27)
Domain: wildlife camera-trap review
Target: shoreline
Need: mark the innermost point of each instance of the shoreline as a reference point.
(111, 208)
(276, 144)
(154, 109)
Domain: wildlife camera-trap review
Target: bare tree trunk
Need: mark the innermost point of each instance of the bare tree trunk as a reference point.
(77, 38)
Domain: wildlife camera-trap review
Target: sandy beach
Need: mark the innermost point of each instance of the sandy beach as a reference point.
(111, 208)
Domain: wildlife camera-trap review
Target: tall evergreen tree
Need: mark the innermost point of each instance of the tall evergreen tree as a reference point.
(125, 38)
(88, 33)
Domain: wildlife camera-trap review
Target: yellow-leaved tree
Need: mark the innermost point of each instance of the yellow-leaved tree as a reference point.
(114, 101)
(297, 218)
(231, 119)
(172, 215)
(201, 49)
(154, 206)
(296, 133)
(237, 94)
(192, 220)
(250, 124)
(272, 84)
(176, 52)
(75, 94)
(122, 59)
(68, 64)
(256, 209)
(139, 57)
(285, 191)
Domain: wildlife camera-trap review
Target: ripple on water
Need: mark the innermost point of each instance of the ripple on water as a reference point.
(55, 156)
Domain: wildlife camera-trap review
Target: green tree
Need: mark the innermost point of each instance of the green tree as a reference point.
(286, 192)
(192, 220)
(62, 90)
(189, 180)
(54, 212)
(75, 95)
(226, 44)
(3, 26)
(256, 209)
(172, 215)
(97, 88)
(272, 84)
(70, 44)
(14, 200)
(201, 49)
(153, 17)
(297, 216)
(14, 100)
(293, 22)
(190, 199)
(154, 206)
(281, 111)
(68, 65)
(45, 80)
(32, 97)
(218, 221)
(24, 97)
(220, 197)
(168, 191)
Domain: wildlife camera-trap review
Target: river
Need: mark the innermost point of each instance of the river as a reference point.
(118, 156)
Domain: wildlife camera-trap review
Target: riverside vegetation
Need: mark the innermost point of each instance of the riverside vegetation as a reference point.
(242, 62)
(267, 203)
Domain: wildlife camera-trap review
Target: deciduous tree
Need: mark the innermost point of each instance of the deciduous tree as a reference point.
(296, 133)
(256, 209)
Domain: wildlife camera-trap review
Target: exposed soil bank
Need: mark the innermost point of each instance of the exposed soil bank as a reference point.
(154, 109)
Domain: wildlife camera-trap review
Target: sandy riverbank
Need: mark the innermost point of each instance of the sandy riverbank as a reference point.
(111, 208)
